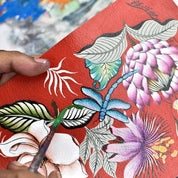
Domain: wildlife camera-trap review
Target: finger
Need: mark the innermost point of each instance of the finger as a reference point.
(21, 171)
(22, 64)
(15, 165)
(55, 174)
(6, 77)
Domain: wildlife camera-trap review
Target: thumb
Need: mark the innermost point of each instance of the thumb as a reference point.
(13, 62)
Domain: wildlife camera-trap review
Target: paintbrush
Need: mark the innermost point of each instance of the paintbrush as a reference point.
(37, 160)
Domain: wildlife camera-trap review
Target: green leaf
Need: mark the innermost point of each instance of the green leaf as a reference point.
(77, 116)
(151, 29)
(17, 117)
(102, 73)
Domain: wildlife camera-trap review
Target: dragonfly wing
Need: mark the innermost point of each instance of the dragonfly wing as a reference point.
(118, 104)
(118, 116)
(93, 94)
(88, 103)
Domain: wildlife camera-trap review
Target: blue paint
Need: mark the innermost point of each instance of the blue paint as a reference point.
(107, 107)
(21, 9)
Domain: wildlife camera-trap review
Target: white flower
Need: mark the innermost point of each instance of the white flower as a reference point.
(62, 154)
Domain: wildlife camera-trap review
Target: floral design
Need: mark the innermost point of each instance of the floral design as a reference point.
(157, 64)
(146, 142)
(54, 75)
(58, 157)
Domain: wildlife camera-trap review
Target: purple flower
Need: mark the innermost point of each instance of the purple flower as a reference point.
(146, 143)
(157, 63)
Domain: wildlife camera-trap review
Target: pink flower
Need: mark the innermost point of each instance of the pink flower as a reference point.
(146, 144)
(62, 154)
(157, 63)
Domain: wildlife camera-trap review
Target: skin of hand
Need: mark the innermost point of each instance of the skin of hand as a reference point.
(17, 170)
(14, 62)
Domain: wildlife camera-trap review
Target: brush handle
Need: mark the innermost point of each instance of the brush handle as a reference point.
(37, 160)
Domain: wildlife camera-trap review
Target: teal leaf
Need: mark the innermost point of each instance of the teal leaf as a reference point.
(102, 73)
(18, 117)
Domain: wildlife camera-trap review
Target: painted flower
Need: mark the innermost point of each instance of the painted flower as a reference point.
(146, 144)
(157, 63)
(62, 154)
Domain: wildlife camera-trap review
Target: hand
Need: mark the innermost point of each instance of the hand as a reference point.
(17, 170)
(13, 62)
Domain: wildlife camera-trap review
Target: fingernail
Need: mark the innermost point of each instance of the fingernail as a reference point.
(43, 61)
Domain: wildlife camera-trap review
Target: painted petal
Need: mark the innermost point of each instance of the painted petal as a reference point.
(150, 45)
(137, 79)
(139, 67)
(163, 66)
(133, 166)
(63, 149)
(130, 53)
(156, 97)
(143, 58)
(39, 130)
(121, 158)
(148, 72)
(167, 59)
(47, 168)
(169, 50)
(145, 97)
(151, 60)
(138, 47)
(155, 51)
(135, 130)
(154, 41)
(25, 159)
(139, 98)
(124, 133)
(135, 56)
(137, 120)
(126, 84)
(74, 170)
(19, 144)
(145, 47)
(174, 57)
(164, 43)
(165, 94)
(128, 149)
(132, 92)
(174, 85)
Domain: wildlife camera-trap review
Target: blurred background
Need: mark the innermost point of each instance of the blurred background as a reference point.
(34, 26)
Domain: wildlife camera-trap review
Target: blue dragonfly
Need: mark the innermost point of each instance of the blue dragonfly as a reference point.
(106, 106)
